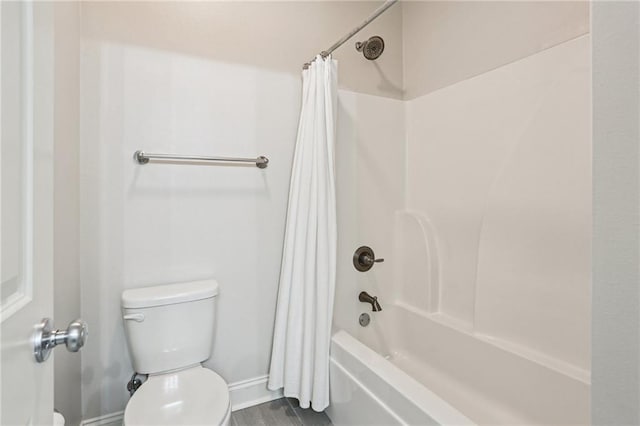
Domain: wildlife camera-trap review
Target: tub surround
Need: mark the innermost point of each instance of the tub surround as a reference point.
(506, 200)
(486, 240)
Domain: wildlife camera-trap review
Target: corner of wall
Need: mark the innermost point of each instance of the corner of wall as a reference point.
(615, 345)
(67, 380)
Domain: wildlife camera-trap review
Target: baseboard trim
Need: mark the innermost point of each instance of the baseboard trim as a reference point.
(243, 394)
(106, 420)
(250, 392)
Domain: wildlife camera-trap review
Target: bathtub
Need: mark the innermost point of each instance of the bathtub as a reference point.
(409, 367)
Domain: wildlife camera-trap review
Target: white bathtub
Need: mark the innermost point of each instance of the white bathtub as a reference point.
(417, 369)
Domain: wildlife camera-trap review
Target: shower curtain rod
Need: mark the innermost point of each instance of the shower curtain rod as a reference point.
(379, 11)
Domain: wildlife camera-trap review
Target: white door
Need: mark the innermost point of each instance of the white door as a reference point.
(26, 231)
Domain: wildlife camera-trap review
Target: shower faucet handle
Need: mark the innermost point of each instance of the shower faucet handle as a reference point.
(370, 260)
(364, 258)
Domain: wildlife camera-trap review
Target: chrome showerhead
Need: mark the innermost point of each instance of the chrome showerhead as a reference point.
(372, 48)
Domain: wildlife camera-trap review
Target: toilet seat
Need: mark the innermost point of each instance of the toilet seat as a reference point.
(195, 396)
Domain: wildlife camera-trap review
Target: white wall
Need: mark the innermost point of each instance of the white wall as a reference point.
(145, 225)
(616, 193)
(169, 77)
(271, 35)
(66, 203)
(449, 41)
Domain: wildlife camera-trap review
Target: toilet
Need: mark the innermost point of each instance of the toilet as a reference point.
(169, 330)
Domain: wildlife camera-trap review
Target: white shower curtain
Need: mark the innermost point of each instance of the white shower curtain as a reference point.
(300, 354)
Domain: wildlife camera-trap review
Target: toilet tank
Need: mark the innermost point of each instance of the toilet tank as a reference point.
(169, 327)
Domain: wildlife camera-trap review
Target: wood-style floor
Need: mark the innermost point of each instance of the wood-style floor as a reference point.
(281, 412)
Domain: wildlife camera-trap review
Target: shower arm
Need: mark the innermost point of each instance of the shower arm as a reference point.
(379, 11)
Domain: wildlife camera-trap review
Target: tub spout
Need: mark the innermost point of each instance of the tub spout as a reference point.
(367, 298)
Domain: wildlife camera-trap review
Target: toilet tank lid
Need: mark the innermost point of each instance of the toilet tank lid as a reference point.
(169, 294)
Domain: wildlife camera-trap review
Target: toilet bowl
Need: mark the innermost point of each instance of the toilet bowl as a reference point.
(195, 396)
(169, 330)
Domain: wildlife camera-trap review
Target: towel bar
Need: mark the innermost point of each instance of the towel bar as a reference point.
(143, 158)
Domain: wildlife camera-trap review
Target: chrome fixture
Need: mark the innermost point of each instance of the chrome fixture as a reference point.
(134, 383)
(143, 158)
(379, 11)
(364, 258)
(367, 298)
(372, 48)
(45, 338)
(364, 319)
